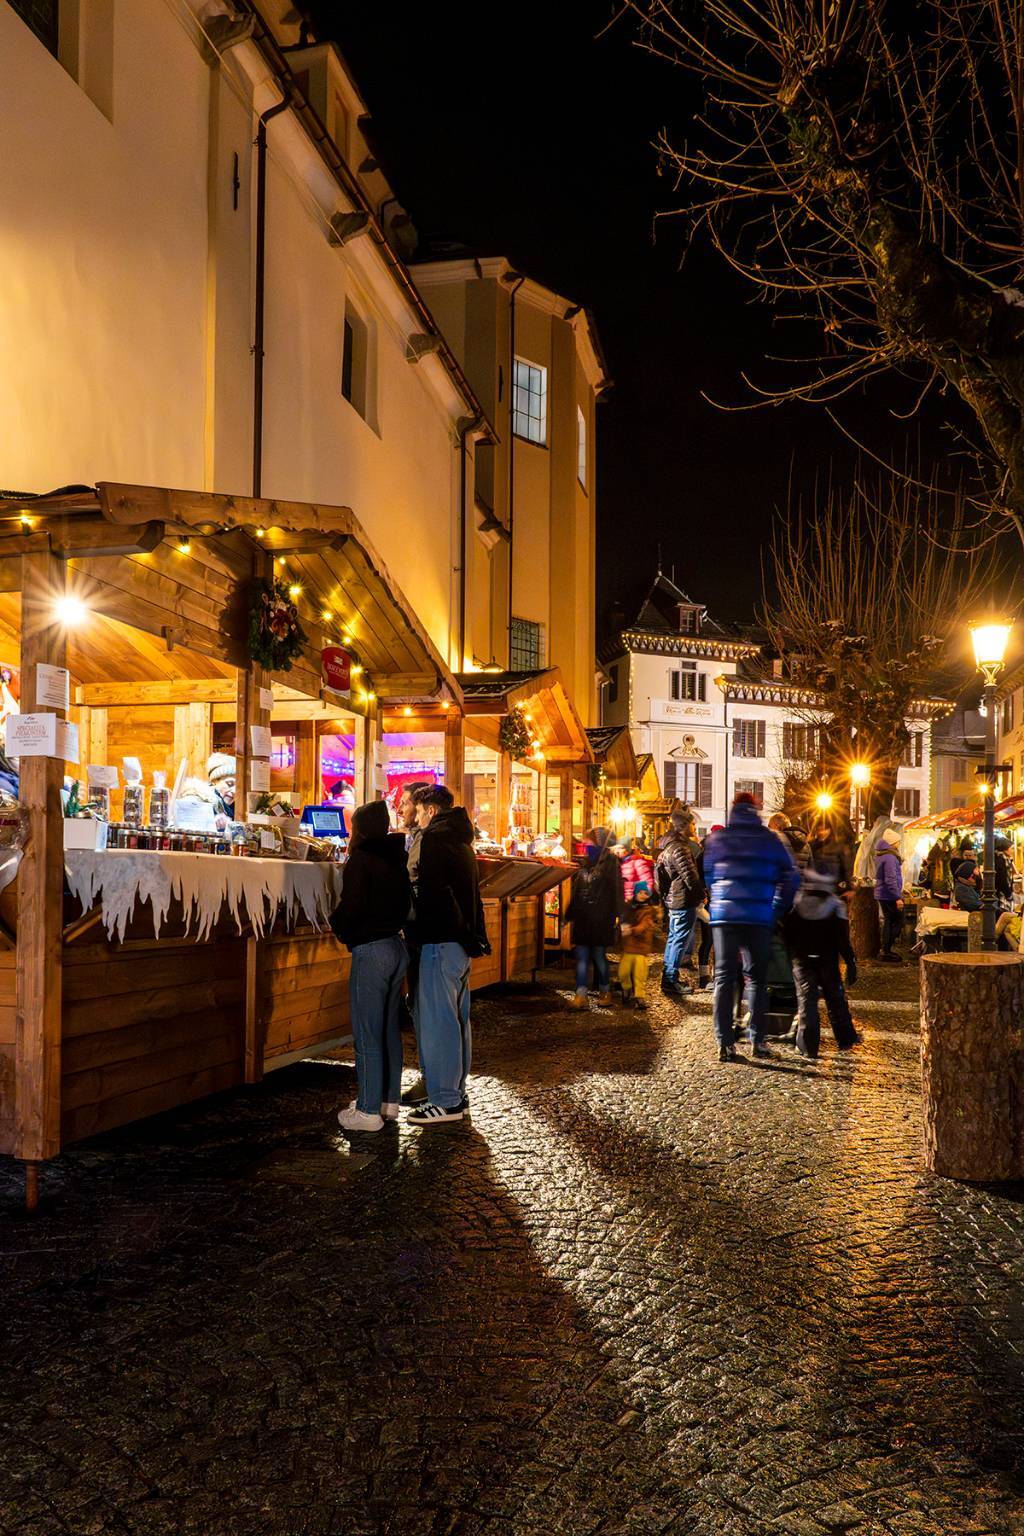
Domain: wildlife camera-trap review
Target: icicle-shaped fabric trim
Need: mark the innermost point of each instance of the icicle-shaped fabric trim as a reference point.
(255, 890)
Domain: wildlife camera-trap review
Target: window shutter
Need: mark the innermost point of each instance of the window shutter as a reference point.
(705, 787)
(702, 686)
(673, 685)
(919, 748)
(669, 786)
(760, 739)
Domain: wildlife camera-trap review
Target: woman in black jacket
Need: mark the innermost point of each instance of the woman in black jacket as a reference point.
(374, 906)
(595, 906)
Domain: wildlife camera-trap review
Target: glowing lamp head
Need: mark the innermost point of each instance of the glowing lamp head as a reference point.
(984, 788)
(327, 615)
(860, 775)
(70, 611)
(184, 547)
(294, 590)
(990, 642)
(823, 801)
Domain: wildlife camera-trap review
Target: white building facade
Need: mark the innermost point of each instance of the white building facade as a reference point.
(706, 705)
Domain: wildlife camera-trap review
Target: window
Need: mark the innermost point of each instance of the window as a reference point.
(688, 781)
(800, 743)
(689, 619)
(355, 361)
(748, 738)
(613, 683)
(1008, 714)
(687, 682)
(752, 787)
(525, 646)
(907, 803)
(41, 16)
(581, 447)
(962, 770)
(530, 402)
(913, 752)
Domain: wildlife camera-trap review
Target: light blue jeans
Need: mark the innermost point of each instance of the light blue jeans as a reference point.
(374, 994)
(682, 931)
(442, 1022)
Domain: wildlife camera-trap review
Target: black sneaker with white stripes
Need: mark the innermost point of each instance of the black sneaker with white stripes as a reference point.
(433, 1114)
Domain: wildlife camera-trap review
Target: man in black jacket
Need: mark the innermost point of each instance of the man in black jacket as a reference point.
(679, 880)
(449, 929)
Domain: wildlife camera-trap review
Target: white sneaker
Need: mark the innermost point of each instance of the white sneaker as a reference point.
(352, 1119)
(390, 1111)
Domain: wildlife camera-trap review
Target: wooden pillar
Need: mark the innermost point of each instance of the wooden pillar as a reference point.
(374, 735)
(307, 784)
(98, 736)
(254, 1021)
(454, 754)
(193, 738)
(249, 713)
(40, 884)
(503, 796)
(972, 1061)
(565, 807)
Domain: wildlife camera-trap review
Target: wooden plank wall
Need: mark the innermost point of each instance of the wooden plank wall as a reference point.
(8, 1014)
(304, 992)
(521, 936)
(148, 1025)
(486, 969)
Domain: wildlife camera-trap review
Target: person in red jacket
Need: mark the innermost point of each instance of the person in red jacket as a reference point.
(636, 865)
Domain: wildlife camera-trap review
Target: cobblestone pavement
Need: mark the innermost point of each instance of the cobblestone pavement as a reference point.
(639, 1293)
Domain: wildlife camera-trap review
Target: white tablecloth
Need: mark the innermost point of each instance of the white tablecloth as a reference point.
(931, 919)
(255, 890)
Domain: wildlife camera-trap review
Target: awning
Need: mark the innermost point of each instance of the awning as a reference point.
(612, 747)
(542, 696)
(124, 543)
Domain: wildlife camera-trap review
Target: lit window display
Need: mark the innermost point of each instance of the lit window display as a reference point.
(338, 769)
(282, 764)
(480, 790)
(524, 806)
(410, 756)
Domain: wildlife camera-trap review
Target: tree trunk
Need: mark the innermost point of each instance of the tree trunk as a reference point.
(865, 935)
(972, 1059)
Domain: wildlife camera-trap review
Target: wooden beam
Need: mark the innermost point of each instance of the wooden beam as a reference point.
(214, 690)
(80, 538)
(255, 1027)
(454, 754)
(40, 884)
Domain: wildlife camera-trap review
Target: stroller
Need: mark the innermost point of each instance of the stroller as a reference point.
(781, 1011)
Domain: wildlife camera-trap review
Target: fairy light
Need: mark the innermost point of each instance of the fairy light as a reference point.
(355, 671)
(327, 615)
(184, 547)
(406, 710)
(261, 533)
(294, 590)
(25, 520)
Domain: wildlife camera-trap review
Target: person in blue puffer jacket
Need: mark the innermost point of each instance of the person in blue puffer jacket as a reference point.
(752, 879)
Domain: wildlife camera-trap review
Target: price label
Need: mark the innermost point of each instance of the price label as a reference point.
(32, 735)
(53, 687)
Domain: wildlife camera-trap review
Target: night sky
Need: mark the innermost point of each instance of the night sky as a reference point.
(524, 132)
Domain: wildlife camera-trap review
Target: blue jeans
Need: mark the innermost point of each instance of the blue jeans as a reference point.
(374, 994)
(584, 954)
(442, 1022)
(682, 930)
(751, 942)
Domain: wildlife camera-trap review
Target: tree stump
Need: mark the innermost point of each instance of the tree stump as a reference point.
(865, 935)
(972, 1062)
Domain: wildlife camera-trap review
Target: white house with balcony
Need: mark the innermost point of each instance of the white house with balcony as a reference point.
(716, 716)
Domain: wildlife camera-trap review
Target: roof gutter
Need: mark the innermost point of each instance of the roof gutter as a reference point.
(322, 142)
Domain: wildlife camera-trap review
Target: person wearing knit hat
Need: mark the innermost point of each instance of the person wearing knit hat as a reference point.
(889, 892)
(637, 942)
(221, 774)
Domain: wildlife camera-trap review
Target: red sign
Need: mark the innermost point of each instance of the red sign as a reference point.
(336, 665)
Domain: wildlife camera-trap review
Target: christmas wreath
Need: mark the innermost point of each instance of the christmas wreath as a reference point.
(514, 734)
(275, 635)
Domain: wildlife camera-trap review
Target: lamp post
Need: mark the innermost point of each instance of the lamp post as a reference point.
(860, 778)
(989, 641)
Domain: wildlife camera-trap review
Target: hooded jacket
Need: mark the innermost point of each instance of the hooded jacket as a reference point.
(448, 905)
(375, 892)
(817, 927)
(596, 901)
(749, 872)
(888, 873)
(636, 866)
(683, 881)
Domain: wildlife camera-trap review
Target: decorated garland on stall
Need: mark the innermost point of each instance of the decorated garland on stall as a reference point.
(275, 635)
(514, 734)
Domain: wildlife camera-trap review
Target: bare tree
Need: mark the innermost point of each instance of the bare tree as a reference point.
(862, 162)
(870, 617)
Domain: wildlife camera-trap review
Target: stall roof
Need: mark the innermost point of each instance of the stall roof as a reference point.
(612, 746)
(123, 544)
(543, 696)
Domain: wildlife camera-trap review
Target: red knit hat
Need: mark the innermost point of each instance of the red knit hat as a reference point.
(743, 798)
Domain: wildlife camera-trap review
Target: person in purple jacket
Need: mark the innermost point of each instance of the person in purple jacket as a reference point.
(889, 892)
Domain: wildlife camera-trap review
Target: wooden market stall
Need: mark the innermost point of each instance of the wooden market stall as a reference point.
(132, 982)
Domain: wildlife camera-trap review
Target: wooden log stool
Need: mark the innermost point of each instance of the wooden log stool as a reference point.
(865, 935)
(972, 1061)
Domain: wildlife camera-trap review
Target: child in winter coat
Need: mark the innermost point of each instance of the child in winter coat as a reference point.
(817, 935)
(637, 941)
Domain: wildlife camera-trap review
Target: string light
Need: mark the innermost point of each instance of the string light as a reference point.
(25, 519)
(406, 710)
(261, 533)
(184, 547)
(294, 589)
(346, 639)
(355, 671)
(445, 704)
(327, 615)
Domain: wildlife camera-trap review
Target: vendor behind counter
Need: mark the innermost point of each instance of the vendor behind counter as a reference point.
(208, 805)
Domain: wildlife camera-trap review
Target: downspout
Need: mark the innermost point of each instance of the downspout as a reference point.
(513, 290)
(260, 294)
(467, 424)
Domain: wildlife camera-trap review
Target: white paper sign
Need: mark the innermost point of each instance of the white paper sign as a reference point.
(268, 840)
(67, 741)
(31, 736)
(259, 735)
(380, 754)
(266, 698)
(53, 687)
(103, 777)
(380, 779)
(259, 774)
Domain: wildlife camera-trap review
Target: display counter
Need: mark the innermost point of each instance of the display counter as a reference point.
(512, 890)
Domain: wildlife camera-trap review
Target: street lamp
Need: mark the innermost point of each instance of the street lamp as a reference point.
(990, 642)
(823, 800)
(860, 778)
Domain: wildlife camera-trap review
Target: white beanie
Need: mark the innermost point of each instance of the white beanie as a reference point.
(891, 836)
(220, 766)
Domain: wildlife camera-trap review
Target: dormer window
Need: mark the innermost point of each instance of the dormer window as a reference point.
(689, 619)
